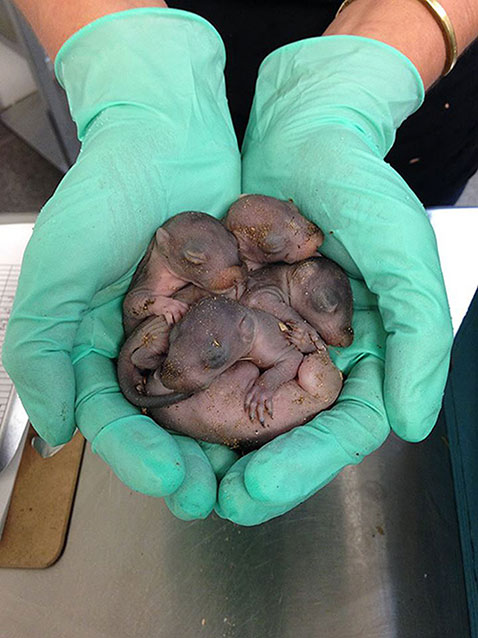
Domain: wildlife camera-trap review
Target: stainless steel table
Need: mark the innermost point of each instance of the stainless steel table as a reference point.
(375, 554)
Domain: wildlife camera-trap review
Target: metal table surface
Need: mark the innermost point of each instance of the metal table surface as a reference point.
(374, 554)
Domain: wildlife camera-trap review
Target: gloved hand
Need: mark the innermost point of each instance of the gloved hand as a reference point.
(146, 89)
(324, 116)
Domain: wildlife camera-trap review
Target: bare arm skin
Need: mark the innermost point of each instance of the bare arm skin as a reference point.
(54, 21)
(406, 25)
(409, 26)
(259, 396)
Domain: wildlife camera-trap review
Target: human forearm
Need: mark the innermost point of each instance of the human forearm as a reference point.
(409, 26)
(54, 21)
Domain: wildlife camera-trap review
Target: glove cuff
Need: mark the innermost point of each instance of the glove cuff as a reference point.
(140, 57)
(349, 80)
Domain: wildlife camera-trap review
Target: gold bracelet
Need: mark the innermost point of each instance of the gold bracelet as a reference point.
(444, 22)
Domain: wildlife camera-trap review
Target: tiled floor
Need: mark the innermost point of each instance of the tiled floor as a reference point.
(27, 180)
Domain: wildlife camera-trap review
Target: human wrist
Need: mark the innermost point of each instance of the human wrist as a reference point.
(410, 27)
(54, 21)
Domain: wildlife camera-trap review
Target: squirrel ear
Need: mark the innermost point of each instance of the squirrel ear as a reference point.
(246, 328)
(195, 257)
(325, 300)
(273, 243)
(162, 235)
(193, 252)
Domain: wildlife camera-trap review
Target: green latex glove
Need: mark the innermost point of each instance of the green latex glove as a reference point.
(146, 89)
(324, 116)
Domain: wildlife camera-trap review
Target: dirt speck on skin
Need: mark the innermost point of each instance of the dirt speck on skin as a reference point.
(324, 357)
(312, 230)
(147, 303)
(295, 227)
(257, 234)
(229, 397)
(148, 338)
(136, 312)
(170, 370)
(233, 443)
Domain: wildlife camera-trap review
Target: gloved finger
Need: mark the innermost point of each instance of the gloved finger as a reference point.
(33, 353)
(220, 457)
(237, 505)
(414, 309)
(235, 502)
(403, 270)
(196, 496)
(55, 289)
(143, 455)
(296, 464)
(375, 228)
(37, 349)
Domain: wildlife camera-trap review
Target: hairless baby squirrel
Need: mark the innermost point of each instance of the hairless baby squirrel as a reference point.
(217, 413)
(209, 339)
(270, 230)
(312, 298)
(191, 247)
(217, 343)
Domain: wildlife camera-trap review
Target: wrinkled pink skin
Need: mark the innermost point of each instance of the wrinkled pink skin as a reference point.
(270, 230)
(218, 332)
(217, 414)
(213, 335)
(146, 347)
(316, 288)
(190, 247)
(145, 350)
(236, 409)
(312, 298)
